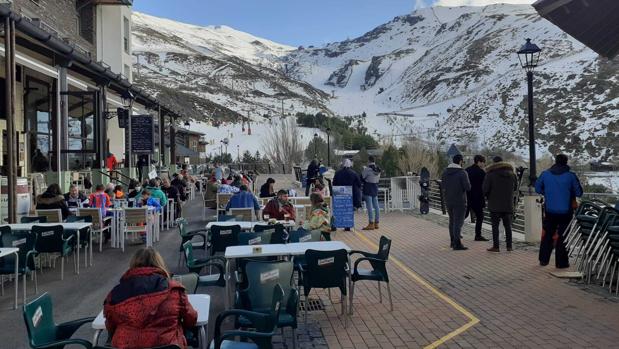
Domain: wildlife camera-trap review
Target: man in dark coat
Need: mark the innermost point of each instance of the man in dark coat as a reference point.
(455, 183)
(475, 196)
(500, 187)
(312, 173)
(347, 177)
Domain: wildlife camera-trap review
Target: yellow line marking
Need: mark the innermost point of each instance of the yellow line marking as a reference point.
(473, 320)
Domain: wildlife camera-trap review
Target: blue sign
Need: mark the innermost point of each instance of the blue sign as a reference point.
(343, 210)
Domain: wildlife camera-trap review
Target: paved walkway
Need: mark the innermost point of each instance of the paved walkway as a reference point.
(442, 298)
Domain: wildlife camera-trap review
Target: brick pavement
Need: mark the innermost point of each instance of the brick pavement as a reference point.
(517, 302)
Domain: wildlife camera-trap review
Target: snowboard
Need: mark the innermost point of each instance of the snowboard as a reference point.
(424, 198)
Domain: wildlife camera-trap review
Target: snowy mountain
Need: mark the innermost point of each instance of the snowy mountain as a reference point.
(441, 74)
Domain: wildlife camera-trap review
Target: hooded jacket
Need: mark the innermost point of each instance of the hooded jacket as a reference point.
(559, 186)
(500, 186)
(455, 183)
(475, 196)
(147, 310)
(49, 201)
(370, 177)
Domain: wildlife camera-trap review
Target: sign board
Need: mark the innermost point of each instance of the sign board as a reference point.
(343, 210)
(123, 115)
(142, 134)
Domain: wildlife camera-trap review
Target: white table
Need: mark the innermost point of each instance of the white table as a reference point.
(200, 302)
(6, 251)
(247, 225)
(76, 227)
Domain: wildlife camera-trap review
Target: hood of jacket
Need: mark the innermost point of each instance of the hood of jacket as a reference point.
(501, 168)
(559, 169)
(49, 199)
(453, 169)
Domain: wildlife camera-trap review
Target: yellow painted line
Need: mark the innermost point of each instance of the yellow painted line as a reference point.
(473, 320)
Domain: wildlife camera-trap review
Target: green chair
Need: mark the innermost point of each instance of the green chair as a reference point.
(189, 281)
(188, 235)
(252, 238)
(26, 255)
(264, 325)
(262, 277)
(378, 272)
(44, 333)
(196, 265)
(325, 269)
(223, 237)
(51, 239)
(35, 219)
(255, 238)
(278, 232)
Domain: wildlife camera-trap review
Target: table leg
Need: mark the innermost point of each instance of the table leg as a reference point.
(227, 297)
(95, 338)
(16, 278)
(350, 295)
(203, 337)
(90, 245)
(77, 268)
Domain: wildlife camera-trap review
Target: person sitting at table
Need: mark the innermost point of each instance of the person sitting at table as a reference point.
(279, 207)
(53, 199)
(156, 192)
(227, 189)
(172, 193)
(101, 200)
(147, 309)
(266, 190)
(244, 199)
(75, 198)
(319, 218)
(148, 201)
(118, 192)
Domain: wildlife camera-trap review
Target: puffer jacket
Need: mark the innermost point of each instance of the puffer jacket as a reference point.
(49, 201)
(370, 177)
(147, 310)
(500, 186)
(455, 183)
(559, 186)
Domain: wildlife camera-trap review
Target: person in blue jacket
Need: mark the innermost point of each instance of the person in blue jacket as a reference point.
(560, 188)
(244, 199)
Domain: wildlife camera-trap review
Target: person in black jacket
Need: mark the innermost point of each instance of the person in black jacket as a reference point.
(172, 193)
(53, 199)
(454, 184)
(267, 190)
(475, 196)
(347, 177)
(500, 188)
(312, 173)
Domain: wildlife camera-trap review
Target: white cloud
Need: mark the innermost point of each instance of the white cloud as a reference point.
(479, 2)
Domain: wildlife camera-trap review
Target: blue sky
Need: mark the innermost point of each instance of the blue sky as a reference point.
(293, 22)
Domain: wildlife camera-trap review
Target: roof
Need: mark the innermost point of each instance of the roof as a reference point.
(183, 151)
(189, 132)
(595, 23)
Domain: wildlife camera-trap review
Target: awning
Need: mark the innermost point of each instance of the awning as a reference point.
(595, 23)
(185, 152)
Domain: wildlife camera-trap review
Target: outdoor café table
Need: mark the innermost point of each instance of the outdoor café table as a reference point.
(200, 302)
(272, 250)
(9, 251)
(247, 225)
(72, 227)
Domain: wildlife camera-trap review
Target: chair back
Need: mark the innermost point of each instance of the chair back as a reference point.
(384, 247)
(255, 238)
(242, 214)
(224, 236)
(33, 219)
(79, 219)
(182, 226)
(188, 251)
(52, 216)
(95, 216)
(326, 269)
(277, 232)
(49, 239)
(301, 201)
(222, 200)
(189, 281)
(262, 278)
(226, 218)
(302, 235)
(136, 216)
(25, 241)
(39, 319)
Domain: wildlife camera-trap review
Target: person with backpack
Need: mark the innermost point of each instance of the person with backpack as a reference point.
(370, 178)
(560, 188)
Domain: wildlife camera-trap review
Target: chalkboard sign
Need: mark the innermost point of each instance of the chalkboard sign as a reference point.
(343, 210)
(142, 134)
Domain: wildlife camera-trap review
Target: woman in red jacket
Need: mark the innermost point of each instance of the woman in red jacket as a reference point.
(147, 309)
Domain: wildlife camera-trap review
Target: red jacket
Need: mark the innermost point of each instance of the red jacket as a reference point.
(273, 210)
(147, 310)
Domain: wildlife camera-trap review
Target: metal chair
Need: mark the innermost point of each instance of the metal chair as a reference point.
(279, 235)
(33, 219)
(136, 221)
(197, 265)
(223, 237)
(378, 272)
(243, 214)
(189, 235)
(26, 255)
(189, 281)
(51, 239)
(53, 216)
(85, 237)
(99, 222)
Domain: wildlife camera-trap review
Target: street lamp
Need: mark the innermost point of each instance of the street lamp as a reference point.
(315, 144)
(529, 59)
(328, 146)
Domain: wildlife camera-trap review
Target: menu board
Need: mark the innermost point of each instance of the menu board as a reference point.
(142, 134)
(343, 210)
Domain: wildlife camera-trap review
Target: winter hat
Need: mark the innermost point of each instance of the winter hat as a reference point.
(346, 163)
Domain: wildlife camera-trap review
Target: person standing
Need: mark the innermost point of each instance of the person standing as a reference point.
(313, 170)
(142, 161)
(560, 188)
(370, 178)
(111, 162)
(347, 177)
(500, 187)
(455, 183)
(475, 196)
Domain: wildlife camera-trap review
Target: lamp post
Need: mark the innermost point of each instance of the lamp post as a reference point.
(328, 146)
(315, 144)
(529, 59)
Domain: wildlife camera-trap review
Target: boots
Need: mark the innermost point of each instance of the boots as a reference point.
(376, 225)
(370, 226)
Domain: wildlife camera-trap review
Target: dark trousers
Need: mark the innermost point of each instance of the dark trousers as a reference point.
(478, 212)
(456, 221)
(555, 223)
(496, 218)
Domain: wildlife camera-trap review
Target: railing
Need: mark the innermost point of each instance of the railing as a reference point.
(114, 175)
(262, 168)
